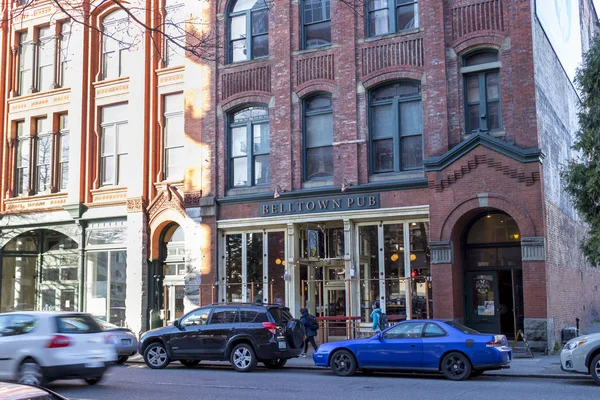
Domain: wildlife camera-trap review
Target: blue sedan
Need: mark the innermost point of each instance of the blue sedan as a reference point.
(419, 345)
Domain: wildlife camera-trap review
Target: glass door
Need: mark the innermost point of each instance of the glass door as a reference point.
(482, 302)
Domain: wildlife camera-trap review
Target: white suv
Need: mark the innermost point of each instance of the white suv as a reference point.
(582, 355)
(39, 347)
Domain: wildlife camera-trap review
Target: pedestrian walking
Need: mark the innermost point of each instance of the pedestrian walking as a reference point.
(310, 328)
(375, 317)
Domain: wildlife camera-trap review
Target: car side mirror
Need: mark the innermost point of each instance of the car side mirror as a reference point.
(380, 336)
(176, 324)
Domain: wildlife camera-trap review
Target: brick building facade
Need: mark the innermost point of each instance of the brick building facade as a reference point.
(321, 156)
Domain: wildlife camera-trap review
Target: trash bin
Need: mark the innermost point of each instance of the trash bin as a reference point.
(568, 333)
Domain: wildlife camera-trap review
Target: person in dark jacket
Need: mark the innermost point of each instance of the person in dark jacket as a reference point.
(310, 333)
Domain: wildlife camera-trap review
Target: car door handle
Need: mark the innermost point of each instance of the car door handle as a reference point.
(413, 345)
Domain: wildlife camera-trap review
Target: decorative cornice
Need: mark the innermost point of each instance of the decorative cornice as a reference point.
(169, 198)
(439, 163)
(386, 186)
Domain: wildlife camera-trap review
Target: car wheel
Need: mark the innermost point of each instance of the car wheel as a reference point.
(122, 359)
(476, 373)
(275, 364)
(343, 363)
(456, 366)
(93, 381)
(242, 358)
(156, 356)
(189, 363)
(30, 373)
(595, 369)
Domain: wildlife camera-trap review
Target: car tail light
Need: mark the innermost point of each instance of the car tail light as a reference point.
(271, 327)
(499, 341)
(58, 342)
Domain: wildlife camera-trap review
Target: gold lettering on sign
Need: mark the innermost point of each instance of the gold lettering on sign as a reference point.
(112, 89)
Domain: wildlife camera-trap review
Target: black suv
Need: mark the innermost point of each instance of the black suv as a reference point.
(243, 334)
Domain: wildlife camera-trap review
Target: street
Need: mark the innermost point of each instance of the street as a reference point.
(136, 381)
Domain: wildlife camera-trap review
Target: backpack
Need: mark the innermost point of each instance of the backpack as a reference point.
(383, 321)
(312, 322)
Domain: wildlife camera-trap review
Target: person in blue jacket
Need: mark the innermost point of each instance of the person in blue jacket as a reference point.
(375, 315)
(309, 331)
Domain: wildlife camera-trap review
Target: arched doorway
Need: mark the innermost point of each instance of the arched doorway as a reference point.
(40, 271)
(493, 274)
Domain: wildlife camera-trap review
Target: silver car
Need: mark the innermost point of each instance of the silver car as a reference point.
(124, 340)
(582, 355)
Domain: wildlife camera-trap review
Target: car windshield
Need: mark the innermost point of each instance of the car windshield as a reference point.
(462, 328)
(280, 314)
(77, 324)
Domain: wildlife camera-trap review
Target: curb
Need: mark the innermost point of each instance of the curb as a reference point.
(490, 373)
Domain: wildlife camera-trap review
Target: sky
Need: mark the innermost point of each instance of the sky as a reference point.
(597, 5)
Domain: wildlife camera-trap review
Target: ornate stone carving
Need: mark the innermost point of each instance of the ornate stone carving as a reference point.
(533, 248)
(169, 198)
(441, 252)
(136, 204)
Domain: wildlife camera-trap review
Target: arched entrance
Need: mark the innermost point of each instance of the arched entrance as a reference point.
(40, 271)
(493, 274)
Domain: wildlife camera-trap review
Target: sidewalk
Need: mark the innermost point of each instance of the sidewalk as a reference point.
(541, 366)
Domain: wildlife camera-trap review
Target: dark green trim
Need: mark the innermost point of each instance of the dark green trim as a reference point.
(439, 163)
(419, 183)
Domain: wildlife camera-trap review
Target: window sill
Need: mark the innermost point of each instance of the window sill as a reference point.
(317, 183)
(166, 70)
(34, 95)
(315, 49)
(109, 82)
(387, 176)
(247, 62)
(248, 190)
(407, 32)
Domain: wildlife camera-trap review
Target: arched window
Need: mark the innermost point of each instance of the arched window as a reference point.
(116, 34)
(316, 23)
(249, 147)
(318, 137)
(483, 111)
(396, 125)
(248, 30)
(387, 16)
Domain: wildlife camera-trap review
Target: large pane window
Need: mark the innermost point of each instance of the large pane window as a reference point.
(65, 55)
(45, 60)
(395, 285)
(63, 152)
(113, 146)
(318, 133)
(115, 44)
(483, 111)
(386, 16)
(396, 124)
(43, 158)
(369, 269)
(248, 30)
(22, 161)
(25, 64)
(174, 137)
(106, 285)
(174, 30)
(249, 147)
(316, 19)
(233, 267)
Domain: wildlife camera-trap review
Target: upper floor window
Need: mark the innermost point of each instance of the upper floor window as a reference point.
(316, 21)
(64, 55)
(63, 152)
(43, 156)
(249, 147)
(387, 16)
(45, 60)
(396, 127)
(25, 64)
(248, 30)
(174, 137)
(174, 33)
(115, 31)
(113, 145)
(318, 137)
(483, 111)
(22, 160)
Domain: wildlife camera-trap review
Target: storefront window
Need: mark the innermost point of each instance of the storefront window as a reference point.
(369, 272)
(233, 270)
(254, 272)
(276, 270)
(106, 271)
(395, 286)
(420, 268)
(18, 283)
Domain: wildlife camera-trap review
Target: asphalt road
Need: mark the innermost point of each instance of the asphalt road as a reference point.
(136, 382)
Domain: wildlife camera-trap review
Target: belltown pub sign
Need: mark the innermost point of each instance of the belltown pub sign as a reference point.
(319, 205)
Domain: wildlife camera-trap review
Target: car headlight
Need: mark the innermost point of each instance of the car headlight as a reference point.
(574, 345)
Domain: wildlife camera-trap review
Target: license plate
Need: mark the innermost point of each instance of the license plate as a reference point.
(94, 365)
(282, 345)
(126, 342)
